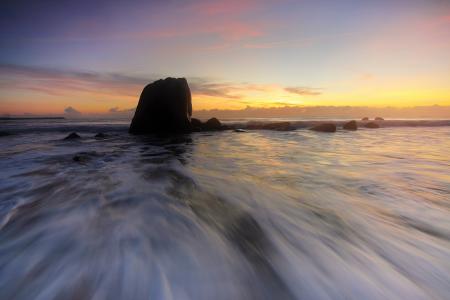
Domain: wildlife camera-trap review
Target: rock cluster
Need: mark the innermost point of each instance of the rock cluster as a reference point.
(165, 106)
(212, 124)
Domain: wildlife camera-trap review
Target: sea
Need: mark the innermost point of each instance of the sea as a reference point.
(255, 214)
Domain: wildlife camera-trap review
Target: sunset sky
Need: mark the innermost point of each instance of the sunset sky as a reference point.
(96, 56)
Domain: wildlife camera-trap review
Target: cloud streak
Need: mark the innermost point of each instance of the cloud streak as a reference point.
(303, 91)
(58, 82)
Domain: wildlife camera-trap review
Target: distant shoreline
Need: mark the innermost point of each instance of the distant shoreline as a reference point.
(31, 118)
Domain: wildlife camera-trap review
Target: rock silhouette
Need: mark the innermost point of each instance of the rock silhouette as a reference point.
(365, 119)
(351, 125)
(164, 107)
(326, 127)
(212, 124)
(372, 125)
(196, 124)
(101, 135)
(72, 136)
(379, 119)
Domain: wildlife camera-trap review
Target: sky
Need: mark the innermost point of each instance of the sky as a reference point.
(91, 56)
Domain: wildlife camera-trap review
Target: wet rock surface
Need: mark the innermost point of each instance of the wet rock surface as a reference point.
(372, 125)
(326, 127)
(351, 125)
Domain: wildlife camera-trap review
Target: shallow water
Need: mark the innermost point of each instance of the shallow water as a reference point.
(225, 215)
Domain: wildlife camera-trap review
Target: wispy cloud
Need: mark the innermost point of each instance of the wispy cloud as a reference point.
(59, 81)
(97, 89)
(303, 91)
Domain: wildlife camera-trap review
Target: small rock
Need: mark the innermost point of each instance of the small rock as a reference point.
(77, 158)
(72, 136)
(379, 119)
(239, 130)
(279, 126)
(212, 124)
(196, 124)
(372, 125)
(365, 119)
(101, 135)
(352, 125)
(326, 127)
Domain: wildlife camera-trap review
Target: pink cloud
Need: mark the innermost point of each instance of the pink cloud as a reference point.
(222, 21)
(214, 8)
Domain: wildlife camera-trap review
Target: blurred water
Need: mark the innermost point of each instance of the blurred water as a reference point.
(225, 215)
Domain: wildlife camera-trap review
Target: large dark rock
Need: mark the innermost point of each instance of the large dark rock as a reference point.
(372, 125)
(326, 127)
(351, 125)
(164, 107)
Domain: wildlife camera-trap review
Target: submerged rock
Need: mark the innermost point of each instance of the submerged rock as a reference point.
(365, 119)
(72, 136)
(101, 135)
(379, 119)
(326, 127)
(372, 125)
(278, 126)
(164, 107)
(80, 158)
(351, 125)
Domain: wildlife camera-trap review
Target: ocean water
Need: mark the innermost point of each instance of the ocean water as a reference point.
(224, 215)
